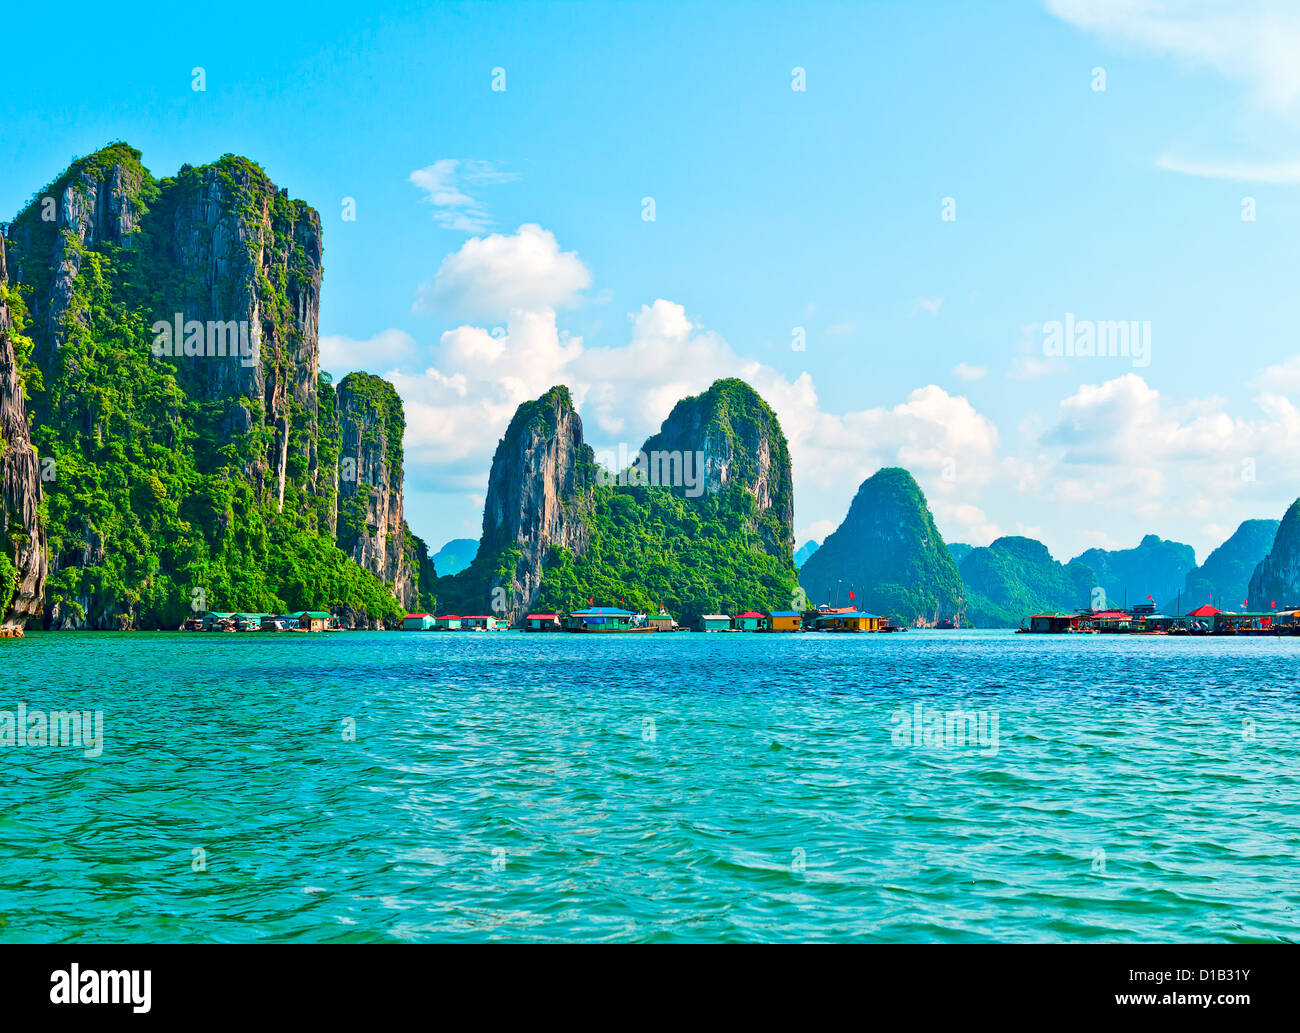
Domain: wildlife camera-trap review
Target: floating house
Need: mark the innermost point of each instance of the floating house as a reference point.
(713, 622)
(248, 621)
(313, 620)
(749, 621)
(853, 620)
(1106, 621)
(479, 622)
(214, 619)
(447, 622)
(661, 621)
(601, 619)
(543, 622)
(278, 622)
(784, 620)
(417, 622)
(1053, 623)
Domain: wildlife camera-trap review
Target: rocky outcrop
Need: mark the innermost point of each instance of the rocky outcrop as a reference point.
(22, 538)
(370, 525)
(99, 200)
(1276, 580)
(537, 498)
(741, 442)
(251, 258)
(229, 267)
(178, 318)
(889, 554)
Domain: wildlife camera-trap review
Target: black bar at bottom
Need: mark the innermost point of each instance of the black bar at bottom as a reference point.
(333, 983)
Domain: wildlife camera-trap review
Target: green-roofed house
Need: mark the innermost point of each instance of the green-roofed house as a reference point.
(313, 620)
(714, 622)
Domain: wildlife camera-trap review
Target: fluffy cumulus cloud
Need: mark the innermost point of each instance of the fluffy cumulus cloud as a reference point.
(491, 277)
(1120, 450)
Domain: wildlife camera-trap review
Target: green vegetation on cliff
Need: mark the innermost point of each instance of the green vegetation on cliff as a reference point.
(161, 492)
(560, 533)
(1015, 577)
(889, 553)
(650, 547)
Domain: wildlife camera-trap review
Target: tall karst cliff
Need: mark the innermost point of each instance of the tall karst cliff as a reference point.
(1276, 580)
(559, 531)
(370, 525)
(194, 438)
(22, 537)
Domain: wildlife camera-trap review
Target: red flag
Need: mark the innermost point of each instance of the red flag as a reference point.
(591, 602)
(1245, 603)
(850, 595)
(1273, 604)
(1150, 597)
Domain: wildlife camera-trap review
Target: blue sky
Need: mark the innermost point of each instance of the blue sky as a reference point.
(499, 243)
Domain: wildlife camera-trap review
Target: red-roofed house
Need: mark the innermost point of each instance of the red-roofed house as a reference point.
(543, 622)
(749, 621)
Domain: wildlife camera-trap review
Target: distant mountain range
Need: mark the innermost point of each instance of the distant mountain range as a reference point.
(891, 556)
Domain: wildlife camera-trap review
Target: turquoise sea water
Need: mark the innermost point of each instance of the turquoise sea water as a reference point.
(653, 787)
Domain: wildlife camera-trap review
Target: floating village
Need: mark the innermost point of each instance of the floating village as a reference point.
(1143, 619)
(1140, 619)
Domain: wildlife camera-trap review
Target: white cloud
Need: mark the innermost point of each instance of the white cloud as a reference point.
(384, 351)
(1252, 41)
(453, 207)
(964, 522)
(965, 371)
(491, 277)
(815, 532)
(930, 305)
(1237, 171)
(1282, 376)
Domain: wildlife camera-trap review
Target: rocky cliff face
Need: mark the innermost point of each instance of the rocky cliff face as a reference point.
(537, 497)
(250, 257)
(742, 444)
(22, 538)
(179, 317)
(559, 534)
(98, 201)
(370, 525)
(889, 553)
(1277, 577)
